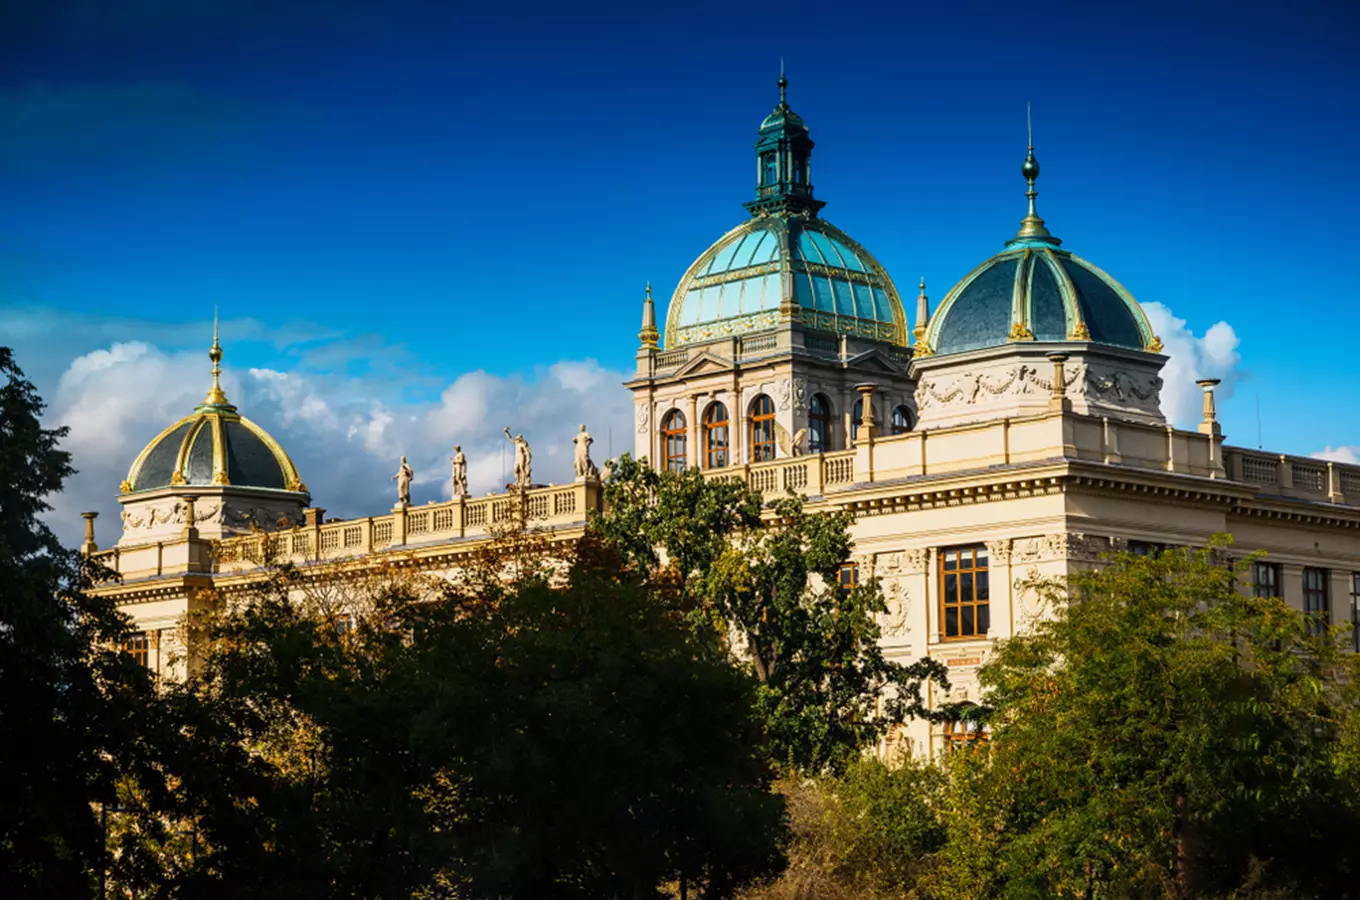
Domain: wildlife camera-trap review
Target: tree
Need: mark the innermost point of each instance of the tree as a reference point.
(1162, 734)
(560, 739)
(77, 716)
(865, 834)
(767, 587)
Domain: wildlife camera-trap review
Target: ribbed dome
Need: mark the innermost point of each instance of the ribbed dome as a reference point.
(737, 285)
(1035, 291)
(214, 446)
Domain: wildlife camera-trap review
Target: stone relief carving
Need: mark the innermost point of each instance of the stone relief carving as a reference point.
(259, 517)
(1045, 548)
(970, 387)
(903, 562)
(800, 392)
(643, 417)
(784, 391)
(1108, 385)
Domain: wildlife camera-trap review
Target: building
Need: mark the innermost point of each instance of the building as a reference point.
(1015, 431)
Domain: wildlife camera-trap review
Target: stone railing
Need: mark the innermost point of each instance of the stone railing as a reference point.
(671, 359)
(809, 476)
(1301, 477)
(413, 527)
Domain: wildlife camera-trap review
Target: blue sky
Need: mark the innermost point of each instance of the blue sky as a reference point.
(383, 197)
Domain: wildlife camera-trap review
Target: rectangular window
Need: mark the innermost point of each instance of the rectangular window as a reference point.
(849, 576)
(1147, 548)
(1355, 611)
(1315, 605)
(138, 646)
(965, 596)
(1265, 579)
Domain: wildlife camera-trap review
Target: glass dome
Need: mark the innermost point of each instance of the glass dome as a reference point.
(737, 285)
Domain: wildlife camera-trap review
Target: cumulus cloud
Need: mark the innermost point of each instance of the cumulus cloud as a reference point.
(344, 439)
(1213, 355)
(1340, 454)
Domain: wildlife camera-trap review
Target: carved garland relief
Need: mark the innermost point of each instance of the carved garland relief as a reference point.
(1110, 385)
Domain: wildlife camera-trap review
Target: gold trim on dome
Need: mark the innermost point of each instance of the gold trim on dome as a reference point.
(219, 452)
(1020, 333)
(177, 477)
(290, 472)
(125, 487)
(1080, 333)
(1156, 345)
(136, 469)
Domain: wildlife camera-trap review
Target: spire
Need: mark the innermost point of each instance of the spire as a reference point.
(649, 336)
(215, 396)
(783, 162)
(922, 315)
(1031, 226)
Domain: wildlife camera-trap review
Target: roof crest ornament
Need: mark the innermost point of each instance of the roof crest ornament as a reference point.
(1031, 226)
(216, 397)
(648, 336)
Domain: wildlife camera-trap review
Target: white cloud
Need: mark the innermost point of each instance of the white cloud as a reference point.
(1193, 358)
(1340, 454)
(344, 440)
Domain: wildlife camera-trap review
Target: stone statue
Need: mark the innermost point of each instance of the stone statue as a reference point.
(459, 461)
(403, 480)
(523, 460)
(585, 468)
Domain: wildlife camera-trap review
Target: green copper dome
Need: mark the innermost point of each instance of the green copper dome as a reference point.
(785, 258)
(1034, 291)
(737, 285)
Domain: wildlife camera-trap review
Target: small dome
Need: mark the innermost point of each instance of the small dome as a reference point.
(737, 285)
(1035, 291)
(214, 446)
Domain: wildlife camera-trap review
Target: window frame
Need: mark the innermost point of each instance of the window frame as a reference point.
(907, 423)
(721, 452)
(974, 553)
(138, 646)
(1355, 611)
(960, 734)
(823, 417)
(1317, 599)
(760, 430)
(847, 577)
(674, 441)
(1271, 587)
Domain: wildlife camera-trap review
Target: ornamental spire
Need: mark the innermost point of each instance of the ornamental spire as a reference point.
(216, 397)
(649, 336)
(1031, 226)
(922, 315)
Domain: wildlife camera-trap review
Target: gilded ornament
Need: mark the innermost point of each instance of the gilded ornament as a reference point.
(125, 487)
(1020, 333)
(1080, 332)
(1156, 345)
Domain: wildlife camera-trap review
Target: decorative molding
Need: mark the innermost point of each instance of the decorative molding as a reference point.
(643, 417)
(1052, 547)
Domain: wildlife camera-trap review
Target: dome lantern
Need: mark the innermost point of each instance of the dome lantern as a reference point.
(783, 162)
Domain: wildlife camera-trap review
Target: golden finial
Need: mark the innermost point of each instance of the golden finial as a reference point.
(215, 396)
(648, 335)
(1031, 225)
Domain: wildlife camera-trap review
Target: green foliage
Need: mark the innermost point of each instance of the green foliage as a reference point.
(768, 588)
(1161, 735)
(77, 717)
(863, 835)
(568, 740)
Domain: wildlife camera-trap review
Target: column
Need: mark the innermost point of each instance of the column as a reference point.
(692, 434)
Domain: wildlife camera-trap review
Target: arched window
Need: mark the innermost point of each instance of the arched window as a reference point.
(819, 424)
(762, 428)
(716, 437)
(673, 440)
(965, 730)
(902, 420)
